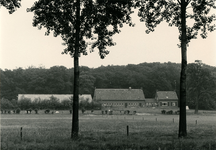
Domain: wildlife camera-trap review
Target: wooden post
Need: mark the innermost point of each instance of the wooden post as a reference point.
(21, 133)
(127, 130)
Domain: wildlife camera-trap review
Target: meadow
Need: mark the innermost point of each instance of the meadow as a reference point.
(147, 131)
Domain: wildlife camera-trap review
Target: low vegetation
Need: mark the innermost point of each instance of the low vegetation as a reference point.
(150, 131)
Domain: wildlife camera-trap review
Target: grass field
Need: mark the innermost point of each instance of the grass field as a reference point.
(151, 130)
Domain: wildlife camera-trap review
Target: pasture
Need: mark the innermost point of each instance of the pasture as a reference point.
(150, 130)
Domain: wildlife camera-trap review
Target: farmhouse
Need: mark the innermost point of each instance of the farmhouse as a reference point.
(166, 98)
(120, 97)
(61, 97)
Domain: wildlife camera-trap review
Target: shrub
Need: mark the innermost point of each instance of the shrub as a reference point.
(83, 110)
(36, 111)
(163, 111)
(29, 110)
(6, 104)
(134, 112)
(18, 111)
(47, 111)
(170, 112)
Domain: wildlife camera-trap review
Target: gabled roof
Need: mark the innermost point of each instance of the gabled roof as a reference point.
(58, 96)
(166, 95)
(119, 94)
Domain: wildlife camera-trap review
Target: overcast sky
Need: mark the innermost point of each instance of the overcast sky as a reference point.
(23, 45)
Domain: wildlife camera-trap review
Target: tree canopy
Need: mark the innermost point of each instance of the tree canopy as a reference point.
(99, 21)
(149, 76)
(200, 12)
(11, 5)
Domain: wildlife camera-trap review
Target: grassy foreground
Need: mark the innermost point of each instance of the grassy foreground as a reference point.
(153, 132)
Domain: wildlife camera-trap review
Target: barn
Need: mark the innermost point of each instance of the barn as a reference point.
(166, 98)
(120, 97)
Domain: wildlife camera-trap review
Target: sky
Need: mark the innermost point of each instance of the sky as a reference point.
(22, 45)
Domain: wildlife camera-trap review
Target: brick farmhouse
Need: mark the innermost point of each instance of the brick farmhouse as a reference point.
(134, 98)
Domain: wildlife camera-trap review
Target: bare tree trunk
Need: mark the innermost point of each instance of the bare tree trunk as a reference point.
(182, 115)
(75, 116)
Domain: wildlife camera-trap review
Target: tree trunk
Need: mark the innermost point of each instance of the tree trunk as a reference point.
(182, 115)
(75, 116)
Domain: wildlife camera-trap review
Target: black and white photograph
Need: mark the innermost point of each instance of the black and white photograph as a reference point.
(108, 74)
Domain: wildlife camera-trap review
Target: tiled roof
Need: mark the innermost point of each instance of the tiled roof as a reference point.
(166, 95)
(58, 96)
(119, 94)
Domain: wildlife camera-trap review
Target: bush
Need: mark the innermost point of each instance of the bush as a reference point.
(134, 112)
(6, 104)
(36, 111)
(47, 111)
(18, 111)
(29, 110)
(83, 110)
(163, 111)
(170, 112)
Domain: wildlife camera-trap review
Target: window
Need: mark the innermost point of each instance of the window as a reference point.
(164, 104)
(173, 104)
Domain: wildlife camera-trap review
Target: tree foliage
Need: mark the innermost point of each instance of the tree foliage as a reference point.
(149, 76)
(11, 5)
(99, 21)
(201, 87)
(200, 12)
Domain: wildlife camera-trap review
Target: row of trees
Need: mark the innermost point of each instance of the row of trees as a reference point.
(149, 76)
(52, 103)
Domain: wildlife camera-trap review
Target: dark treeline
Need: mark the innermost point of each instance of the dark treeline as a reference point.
(59, 80)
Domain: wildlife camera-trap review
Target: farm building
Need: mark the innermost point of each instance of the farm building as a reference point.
(166, 98)
(120, 97)
(61, 97)
(150, 102)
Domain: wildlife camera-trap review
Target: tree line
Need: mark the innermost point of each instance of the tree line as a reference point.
(52, 103)
(148, 76)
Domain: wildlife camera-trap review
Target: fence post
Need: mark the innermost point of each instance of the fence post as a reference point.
(21, 133)
(127, 130)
